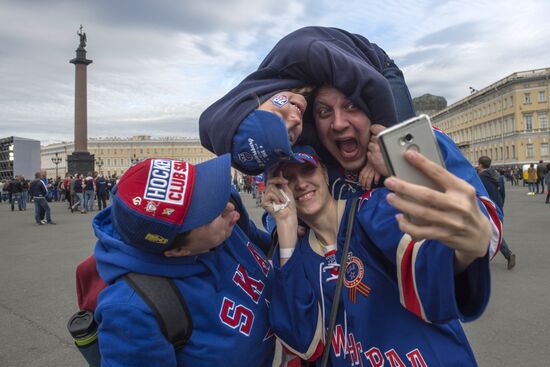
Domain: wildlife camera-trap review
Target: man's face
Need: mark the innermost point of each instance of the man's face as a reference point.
(290, 108)
(204, 238)
(44, 174)
(343, 128)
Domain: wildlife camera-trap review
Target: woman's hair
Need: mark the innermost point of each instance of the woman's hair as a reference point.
(306, 90)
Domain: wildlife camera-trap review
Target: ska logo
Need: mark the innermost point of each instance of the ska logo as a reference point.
(280, 100)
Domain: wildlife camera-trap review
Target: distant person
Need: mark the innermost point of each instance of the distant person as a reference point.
(24, 192)
(39, 193)
(547, 179)
(531, 179)
(89, 192)
(15, 189)
(494, 184)
(541, 171)
(101, 192)
(79, 192)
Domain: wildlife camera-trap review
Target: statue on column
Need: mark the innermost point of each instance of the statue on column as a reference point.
(82, 36)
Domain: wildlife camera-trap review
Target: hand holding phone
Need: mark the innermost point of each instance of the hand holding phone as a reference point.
(413, 134)
(417, 134)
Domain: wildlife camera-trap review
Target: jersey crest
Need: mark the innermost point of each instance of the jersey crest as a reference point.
(353, 278)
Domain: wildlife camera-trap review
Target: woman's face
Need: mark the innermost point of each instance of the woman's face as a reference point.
(309, 185)
(290, 107)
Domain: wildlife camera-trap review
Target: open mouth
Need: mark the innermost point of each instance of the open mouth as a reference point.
(349, 148)
(305, 197)
(300, 108)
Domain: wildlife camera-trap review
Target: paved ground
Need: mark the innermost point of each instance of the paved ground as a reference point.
(37, 290)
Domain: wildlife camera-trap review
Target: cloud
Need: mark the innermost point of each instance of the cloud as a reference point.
(157, 65)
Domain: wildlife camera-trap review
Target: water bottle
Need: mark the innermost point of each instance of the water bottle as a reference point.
(83, 329)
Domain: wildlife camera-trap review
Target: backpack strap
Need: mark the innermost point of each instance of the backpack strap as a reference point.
(167, 303)
(339, 281)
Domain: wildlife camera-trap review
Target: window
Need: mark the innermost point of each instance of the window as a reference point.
(543, 120)
(544, 149)
(501, 153)
(542, 96)
(529, 151)
(507, 152)
(513, 151)
(505, 103)
(528, 122)
(527, 98)
(511, 101)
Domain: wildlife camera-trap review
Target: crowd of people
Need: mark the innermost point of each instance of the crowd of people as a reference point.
(78, 191)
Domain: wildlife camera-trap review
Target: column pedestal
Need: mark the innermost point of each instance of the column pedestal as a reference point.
(80, 162)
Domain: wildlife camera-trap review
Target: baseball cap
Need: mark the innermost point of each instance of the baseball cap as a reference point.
(261, 142)
(302, 153)
(159, 198)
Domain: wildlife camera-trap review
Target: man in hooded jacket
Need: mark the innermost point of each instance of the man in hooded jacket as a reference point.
(494, 186)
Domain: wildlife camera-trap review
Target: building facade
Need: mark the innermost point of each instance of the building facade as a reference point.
(19, 157)
(507, 120)
(113, 156)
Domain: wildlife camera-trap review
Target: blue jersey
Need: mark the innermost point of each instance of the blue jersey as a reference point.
(401, 302)
(227, 291)
(415, 319)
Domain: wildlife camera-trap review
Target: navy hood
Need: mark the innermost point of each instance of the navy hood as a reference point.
(114, 258)
(309, 56)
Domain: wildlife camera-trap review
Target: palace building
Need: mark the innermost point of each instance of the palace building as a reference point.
(113, 156)
(507, 120)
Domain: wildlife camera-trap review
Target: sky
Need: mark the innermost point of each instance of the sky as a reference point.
(158, 64)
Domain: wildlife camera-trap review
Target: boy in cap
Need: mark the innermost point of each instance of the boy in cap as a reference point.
(173, 219)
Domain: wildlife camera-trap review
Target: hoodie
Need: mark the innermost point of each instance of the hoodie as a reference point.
(308, 56)
(227, 291)
(490, 179)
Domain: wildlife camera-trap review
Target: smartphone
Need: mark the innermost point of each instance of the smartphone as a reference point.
(415, 133)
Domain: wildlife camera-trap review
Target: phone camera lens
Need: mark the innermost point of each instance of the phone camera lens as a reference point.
(408, 138)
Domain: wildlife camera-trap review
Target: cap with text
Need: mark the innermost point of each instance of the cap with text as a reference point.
(158, 198)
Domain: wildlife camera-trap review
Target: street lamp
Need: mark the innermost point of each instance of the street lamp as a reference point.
(99, 163)
(56, 160)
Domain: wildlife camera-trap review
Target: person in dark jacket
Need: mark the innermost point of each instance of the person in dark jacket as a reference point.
(541, 172)
(494, 184)
(15, 190)
(39, 192)
(101, 192)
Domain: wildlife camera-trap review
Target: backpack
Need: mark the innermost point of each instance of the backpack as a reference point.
(159, 293)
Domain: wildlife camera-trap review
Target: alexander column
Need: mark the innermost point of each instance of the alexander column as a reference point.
(80, 161)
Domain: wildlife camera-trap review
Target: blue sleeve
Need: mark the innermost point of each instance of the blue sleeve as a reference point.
(458, 165)
(295, 312)
(260, 238)
(424, 271)
(131, 336)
